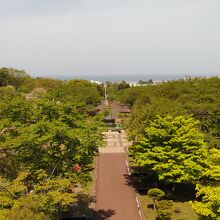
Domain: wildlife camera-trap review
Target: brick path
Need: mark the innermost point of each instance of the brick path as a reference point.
(115, 199)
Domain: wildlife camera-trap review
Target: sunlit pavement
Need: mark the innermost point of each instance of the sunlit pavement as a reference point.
(115, 198)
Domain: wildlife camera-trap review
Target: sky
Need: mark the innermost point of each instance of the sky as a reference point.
(110, 37)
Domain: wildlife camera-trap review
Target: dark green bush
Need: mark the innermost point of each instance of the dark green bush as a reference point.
(164, 215)
(165, 204)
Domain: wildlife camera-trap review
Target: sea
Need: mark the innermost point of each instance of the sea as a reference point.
(129, 78)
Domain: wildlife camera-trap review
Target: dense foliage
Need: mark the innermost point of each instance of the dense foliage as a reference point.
(175, 127)
(173, 148)
(210, 205)
(13, 77)
(47, 146)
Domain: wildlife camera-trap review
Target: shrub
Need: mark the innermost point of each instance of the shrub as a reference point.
(155, 194)
(165, 204)
(164, 215)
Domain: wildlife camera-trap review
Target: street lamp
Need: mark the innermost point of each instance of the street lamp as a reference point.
(106, 99)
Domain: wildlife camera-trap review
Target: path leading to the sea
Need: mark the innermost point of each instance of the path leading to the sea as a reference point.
(115, 199)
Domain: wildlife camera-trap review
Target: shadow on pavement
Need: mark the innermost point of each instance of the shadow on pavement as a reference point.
(83, 210)
(103, 214)
(139, 184)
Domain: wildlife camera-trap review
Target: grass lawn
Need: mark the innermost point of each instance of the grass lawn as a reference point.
(180, 211)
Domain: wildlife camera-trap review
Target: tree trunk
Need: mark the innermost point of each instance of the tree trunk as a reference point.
(173, 187)
(154, 203)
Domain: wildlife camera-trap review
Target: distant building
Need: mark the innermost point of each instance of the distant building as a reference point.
(132, 83)
(96, 82)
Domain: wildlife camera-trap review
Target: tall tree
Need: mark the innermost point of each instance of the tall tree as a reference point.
(174, 148)
(13, 77)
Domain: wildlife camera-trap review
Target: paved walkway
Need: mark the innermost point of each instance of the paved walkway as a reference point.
(115, 199)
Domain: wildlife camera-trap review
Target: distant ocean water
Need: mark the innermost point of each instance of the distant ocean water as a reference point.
(129, 78)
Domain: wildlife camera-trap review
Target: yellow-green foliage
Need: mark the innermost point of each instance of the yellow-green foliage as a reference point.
(210, 205)
(174, 148)
(41, 140)
(18, 198)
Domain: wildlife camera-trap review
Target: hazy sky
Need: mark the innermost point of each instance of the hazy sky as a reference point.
(110, 36)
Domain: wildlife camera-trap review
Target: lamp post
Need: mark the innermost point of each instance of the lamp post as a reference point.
(106, 100)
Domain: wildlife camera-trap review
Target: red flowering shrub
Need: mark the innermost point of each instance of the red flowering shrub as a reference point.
(76, 168)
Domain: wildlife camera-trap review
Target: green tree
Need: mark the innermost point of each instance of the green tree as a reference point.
(123, 85)
(150, 81)
(164, 215)
(42, 142)
(197, 96)
(20, 200)
(81, 91)
(13, 77)
(143, 113)
(174, 148)
(155, 194)
(210, 204)
(7, 93)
